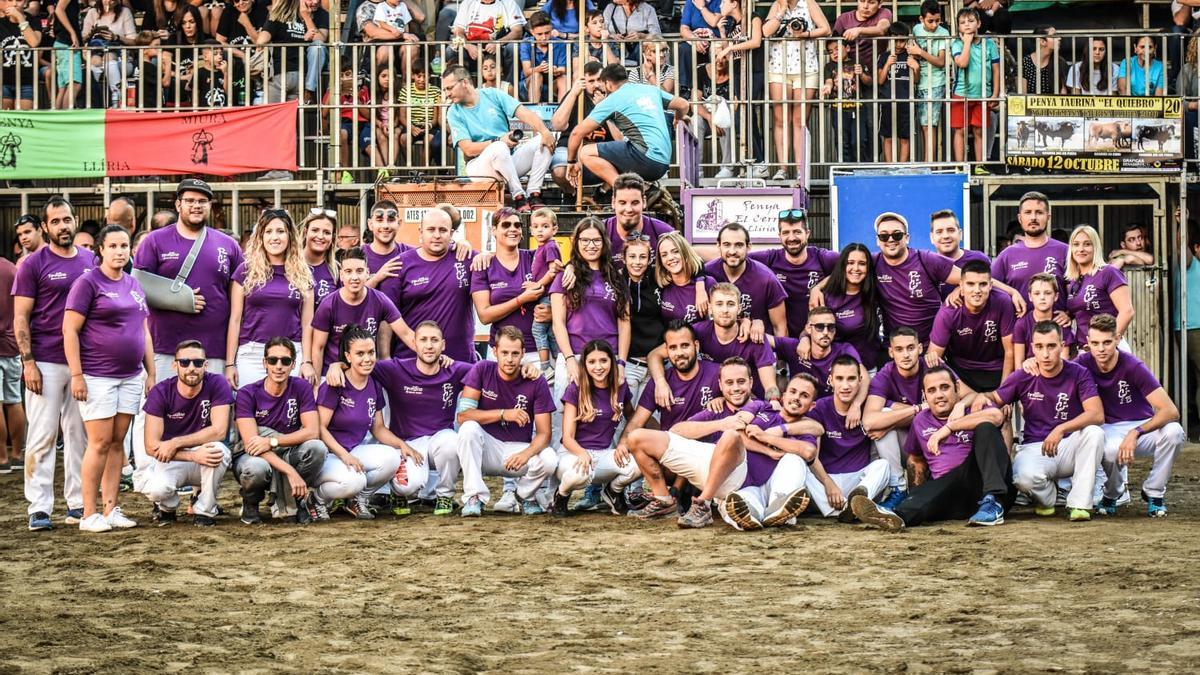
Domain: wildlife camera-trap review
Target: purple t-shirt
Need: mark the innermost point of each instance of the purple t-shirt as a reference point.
(545, 254)
(756, 354)
(1091, 294)
(688, 397)
(377, 260)
(183, 416)
(324, 283)
(797, 280)
(785, 347)
(8, 341)
(46, 278)
(437, 290)
(893, 387)
(503, 285)
(353, 411)
(1018, 263)
(679, 302)
(279, 413)
(334, 315)
(495, 392)
(760, 467)
(851, 319)
(1048, 402)
(596, 317)
(909, 293)
(973, 341)
(597, 434)
(966, 257)
(752, 406)
(113, 340)
(863, 46)
(419, 404)
(162, 252)
(842, 450)
(1023, 333)
(952, 450)
(653, 228)
(1124, 390)
(760, 289)
(271, 310)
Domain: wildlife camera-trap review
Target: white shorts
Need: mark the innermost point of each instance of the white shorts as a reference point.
(691, 459)
(109, 396)
(805, 80)
(10, 380)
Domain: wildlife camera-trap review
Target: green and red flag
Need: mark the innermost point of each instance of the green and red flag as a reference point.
(99, 143)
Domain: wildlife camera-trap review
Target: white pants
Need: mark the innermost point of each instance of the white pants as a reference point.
(165, 479)
(1163, 444)
(338, 481)
(888, 449)
(249, 362)
(497, 161)
(46, 412)
(790, 474)
(690, 459)
(1077, 457)
(874, 477)
(410, 479)
(604, 470)
(636, 376)
(163, 370)
(479, 455)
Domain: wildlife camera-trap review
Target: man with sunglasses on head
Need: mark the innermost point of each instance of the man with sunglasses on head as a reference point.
(798, 265)
(762, 296)
(187, 419)
(29, 236)
(383, 251)
(282, 451)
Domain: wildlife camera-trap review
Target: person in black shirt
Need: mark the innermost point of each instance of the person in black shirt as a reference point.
(180, 60)
(645, 311)
(18, 38)
(151, 86)
(587, 91)
(207, 85)
(238, 28)
(288, 24)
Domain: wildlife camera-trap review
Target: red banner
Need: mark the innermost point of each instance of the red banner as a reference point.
(220, 142)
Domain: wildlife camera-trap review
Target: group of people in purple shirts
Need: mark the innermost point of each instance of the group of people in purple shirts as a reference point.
(877, 387)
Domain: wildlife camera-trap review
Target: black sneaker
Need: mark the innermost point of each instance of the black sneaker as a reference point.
(161, 517)
(615, 500)
(303, 517)
(684, 498)
(638, 499)
(250, 514)
(559, 507)
(203, 521)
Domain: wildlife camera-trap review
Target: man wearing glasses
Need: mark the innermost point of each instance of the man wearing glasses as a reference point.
(478, 120)
(908, 280)
(797, 265)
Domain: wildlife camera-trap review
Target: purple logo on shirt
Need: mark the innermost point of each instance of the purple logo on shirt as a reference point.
(371, 407)
(293, 292)
(371, 326)
(140, 300)
(814, 278)
(1051, 266)
(323, 288)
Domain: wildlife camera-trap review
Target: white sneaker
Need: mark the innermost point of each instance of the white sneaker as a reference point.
(117, 520)
(277, 174)
(780, 175)
(94, 523)
(726, 172)
(507, 503)
(759, 171)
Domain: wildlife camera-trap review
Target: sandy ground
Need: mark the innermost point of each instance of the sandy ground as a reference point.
(594, 593)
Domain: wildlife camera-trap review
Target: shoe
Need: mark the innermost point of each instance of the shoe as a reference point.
(638, 499)
(894, 498)
(400, 506)
(615, 499)
(346, 178)
(602, 197)
(726, 172)
(161, 517)
(40, 521)
(1044, 511)
(302, 517)
(683, 498)
(735, 511)
(473, 508)
(1156, 507)
(1124, 499)
(531, 507)
(875, 515)
(1022, 500)
(360, 506)
(5, 467)
(657, 508)
(990, 513)
(780, 175)
(591, 499)
(1060, 496)
(847, 514)
(203, 521)
(558, 507)
(444, 506)
(317, 510)
(548, 373)
(250, 514)
(1080, 515)
(507, 504)
(793, 506)
(1106, 507)
(277, 174)
(759, 171)
(535, 201)
(185, 491)
(73, 516)
(95, 523)
(521, 205)
(700, 515)
(118, 520)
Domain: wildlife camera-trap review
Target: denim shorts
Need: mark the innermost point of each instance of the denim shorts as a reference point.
(929, 111)
(10, 91)
(68, 64)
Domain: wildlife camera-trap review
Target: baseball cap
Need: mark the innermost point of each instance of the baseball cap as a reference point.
(891, 215)
(193, 185)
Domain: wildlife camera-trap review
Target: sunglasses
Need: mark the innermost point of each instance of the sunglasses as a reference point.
(26, 219)
(386, 215)
(891, 236)
(509, 225)
(276, 360)
(191, 363)
(792, 215)
(638, 236)
(276, 213)
(317, 211)
(824, 327)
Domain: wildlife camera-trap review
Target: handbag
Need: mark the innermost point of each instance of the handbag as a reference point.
(173, 295)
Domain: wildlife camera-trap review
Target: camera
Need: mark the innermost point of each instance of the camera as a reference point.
(516, 135)
(795, 25)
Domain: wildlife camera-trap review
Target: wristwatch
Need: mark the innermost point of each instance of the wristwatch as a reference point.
(274, 442)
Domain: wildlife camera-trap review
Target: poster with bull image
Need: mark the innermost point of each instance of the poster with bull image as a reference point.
(1095, 134)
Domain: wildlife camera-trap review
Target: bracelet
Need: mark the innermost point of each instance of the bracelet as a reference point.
(502, 415)
(1139, 429)
(621, 362)
(230, 366)
(76, 374)
(307, 363)
(23, 26)
(783, 428)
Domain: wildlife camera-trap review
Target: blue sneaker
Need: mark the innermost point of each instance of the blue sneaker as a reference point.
(73, 516)
(591, 499)
(1106, 507)
(40, 521)
(531, 507)
(894, 498)
(990, 513)
(473, 508)
(1156, 507)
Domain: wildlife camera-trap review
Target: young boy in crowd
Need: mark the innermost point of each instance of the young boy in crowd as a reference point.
(844, 79)
(420, 114)
(897, 70)
(543, 62)
(978, 62)
(929, 42)
(547, 263)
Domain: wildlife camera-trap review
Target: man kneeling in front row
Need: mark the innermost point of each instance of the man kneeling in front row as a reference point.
(966, 458)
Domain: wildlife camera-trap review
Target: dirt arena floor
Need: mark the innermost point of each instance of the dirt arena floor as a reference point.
(593, 593)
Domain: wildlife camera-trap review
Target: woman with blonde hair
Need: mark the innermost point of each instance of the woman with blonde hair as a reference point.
(677, 269)
(271, 295)
(316, 231)
(1095, 287)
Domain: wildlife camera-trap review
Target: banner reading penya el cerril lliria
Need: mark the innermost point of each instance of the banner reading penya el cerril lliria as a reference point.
(99, 143)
